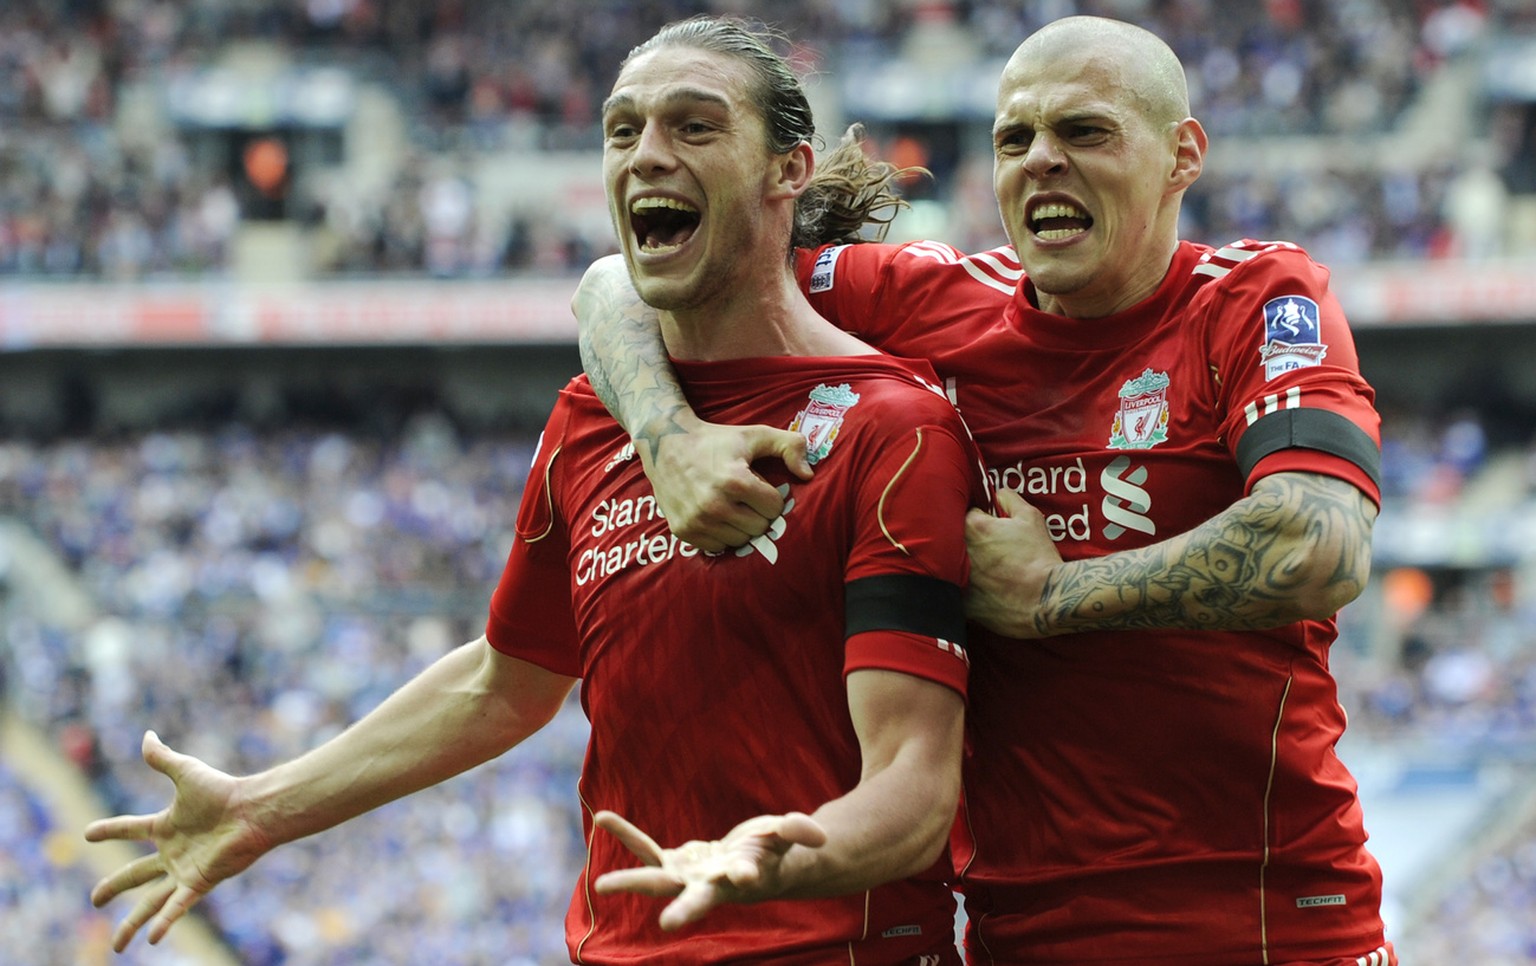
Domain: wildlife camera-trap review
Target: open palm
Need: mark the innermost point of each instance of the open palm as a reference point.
(200, 839)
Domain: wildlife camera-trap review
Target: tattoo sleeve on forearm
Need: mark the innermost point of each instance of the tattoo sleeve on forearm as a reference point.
(1297, 540)
(624, 358)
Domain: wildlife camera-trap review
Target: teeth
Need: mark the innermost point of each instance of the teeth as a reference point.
(642, 205)
(1056, 233)
(1058, 210)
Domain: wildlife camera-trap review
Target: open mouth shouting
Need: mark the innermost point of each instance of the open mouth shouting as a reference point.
(1058, 221)
(662, 225)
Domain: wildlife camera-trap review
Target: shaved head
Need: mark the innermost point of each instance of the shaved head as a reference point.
(1149, 67)
(1093, 148)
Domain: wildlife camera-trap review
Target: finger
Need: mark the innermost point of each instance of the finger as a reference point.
(141, 914)
(654, 882)
(131, 876)
(751, 503)
(786, 445)
(977, 524)
(791, 829)
(129, 827)
(1009, 503)
(798, 828)
(629, 835)
(691, 905)
(721, 522)
(797, 458)
(744, 872)
(182, 900)
(738, 521)
(164, 759)
(159, 756)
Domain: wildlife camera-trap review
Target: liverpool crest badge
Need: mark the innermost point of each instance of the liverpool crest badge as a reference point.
(821, 419)
(1142, 421)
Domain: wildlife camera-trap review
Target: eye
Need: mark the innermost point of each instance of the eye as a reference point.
(620, 131)
(1013, 139)
(1085, 133)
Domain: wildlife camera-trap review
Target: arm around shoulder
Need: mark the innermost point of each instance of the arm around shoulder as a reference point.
(619, 338)
(701, 472)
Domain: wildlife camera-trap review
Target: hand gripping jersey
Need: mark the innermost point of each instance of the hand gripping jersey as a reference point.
(715, 684)
(1145, 797)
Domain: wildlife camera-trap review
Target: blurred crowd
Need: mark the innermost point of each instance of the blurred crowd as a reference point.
(1442, 654)
(258, 592)
(259, 589)
(41, 884)
(90, 188)
(1487, 917)
(1440, 662)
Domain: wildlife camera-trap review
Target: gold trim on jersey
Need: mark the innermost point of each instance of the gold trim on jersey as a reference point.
(864, 933)
(549, 497)
(586, 872)
(880, 507)
(1269, 789)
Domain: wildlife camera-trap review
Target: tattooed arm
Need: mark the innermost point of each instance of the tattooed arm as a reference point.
(701, 472)
(623, 355)
(1297, 547)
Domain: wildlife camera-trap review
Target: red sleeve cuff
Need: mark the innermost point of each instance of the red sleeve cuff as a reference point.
(1313, 461)
(933, 659)
(548, 653)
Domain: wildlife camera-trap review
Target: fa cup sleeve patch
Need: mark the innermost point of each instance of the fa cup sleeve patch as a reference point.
(1292, 335)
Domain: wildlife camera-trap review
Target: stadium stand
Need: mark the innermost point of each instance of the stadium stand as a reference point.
(246, 549)
(253, 592)
(130, 142)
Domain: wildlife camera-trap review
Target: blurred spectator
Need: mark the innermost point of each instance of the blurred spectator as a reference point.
(1474, 208)
(1487, 917)
(291, 580)
(88, 191)
(45, 915)
(298, 576)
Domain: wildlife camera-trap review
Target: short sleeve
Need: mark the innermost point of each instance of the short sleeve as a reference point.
(935, 659)
(530, 614)
(1289, 383)
(908, 566)
(846, 284)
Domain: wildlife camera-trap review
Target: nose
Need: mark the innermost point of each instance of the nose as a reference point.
(653, 151)
(1045, 156)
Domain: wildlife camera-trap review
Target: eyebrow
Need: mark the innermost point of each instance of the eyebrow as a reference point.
(1073, 117)
(678, 95)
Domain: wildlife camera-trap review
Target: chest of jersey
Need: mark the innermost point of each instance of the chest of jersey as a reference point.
(630, 573)
(1117, 446)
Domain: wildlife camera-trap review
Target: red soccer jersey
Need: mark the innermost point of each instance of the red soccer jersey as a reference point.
(715, 684)
(1149, 796)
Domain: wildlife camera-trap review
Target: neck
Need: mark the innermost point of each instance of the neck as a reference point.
(1114, 294)
(773, 319)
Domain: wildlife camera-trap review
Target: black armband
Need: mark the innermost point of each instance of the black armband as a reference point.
(1319, 429)
(913, 603)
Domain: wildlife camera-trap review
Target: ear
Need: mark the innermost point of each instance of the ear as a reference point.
(1189, 154)
(791, 172)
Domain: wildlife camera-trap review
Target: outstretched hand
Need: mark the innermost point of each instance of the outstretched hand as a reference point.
(200, 839)
(706, 488)
(743, 867)
(1012, 556)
